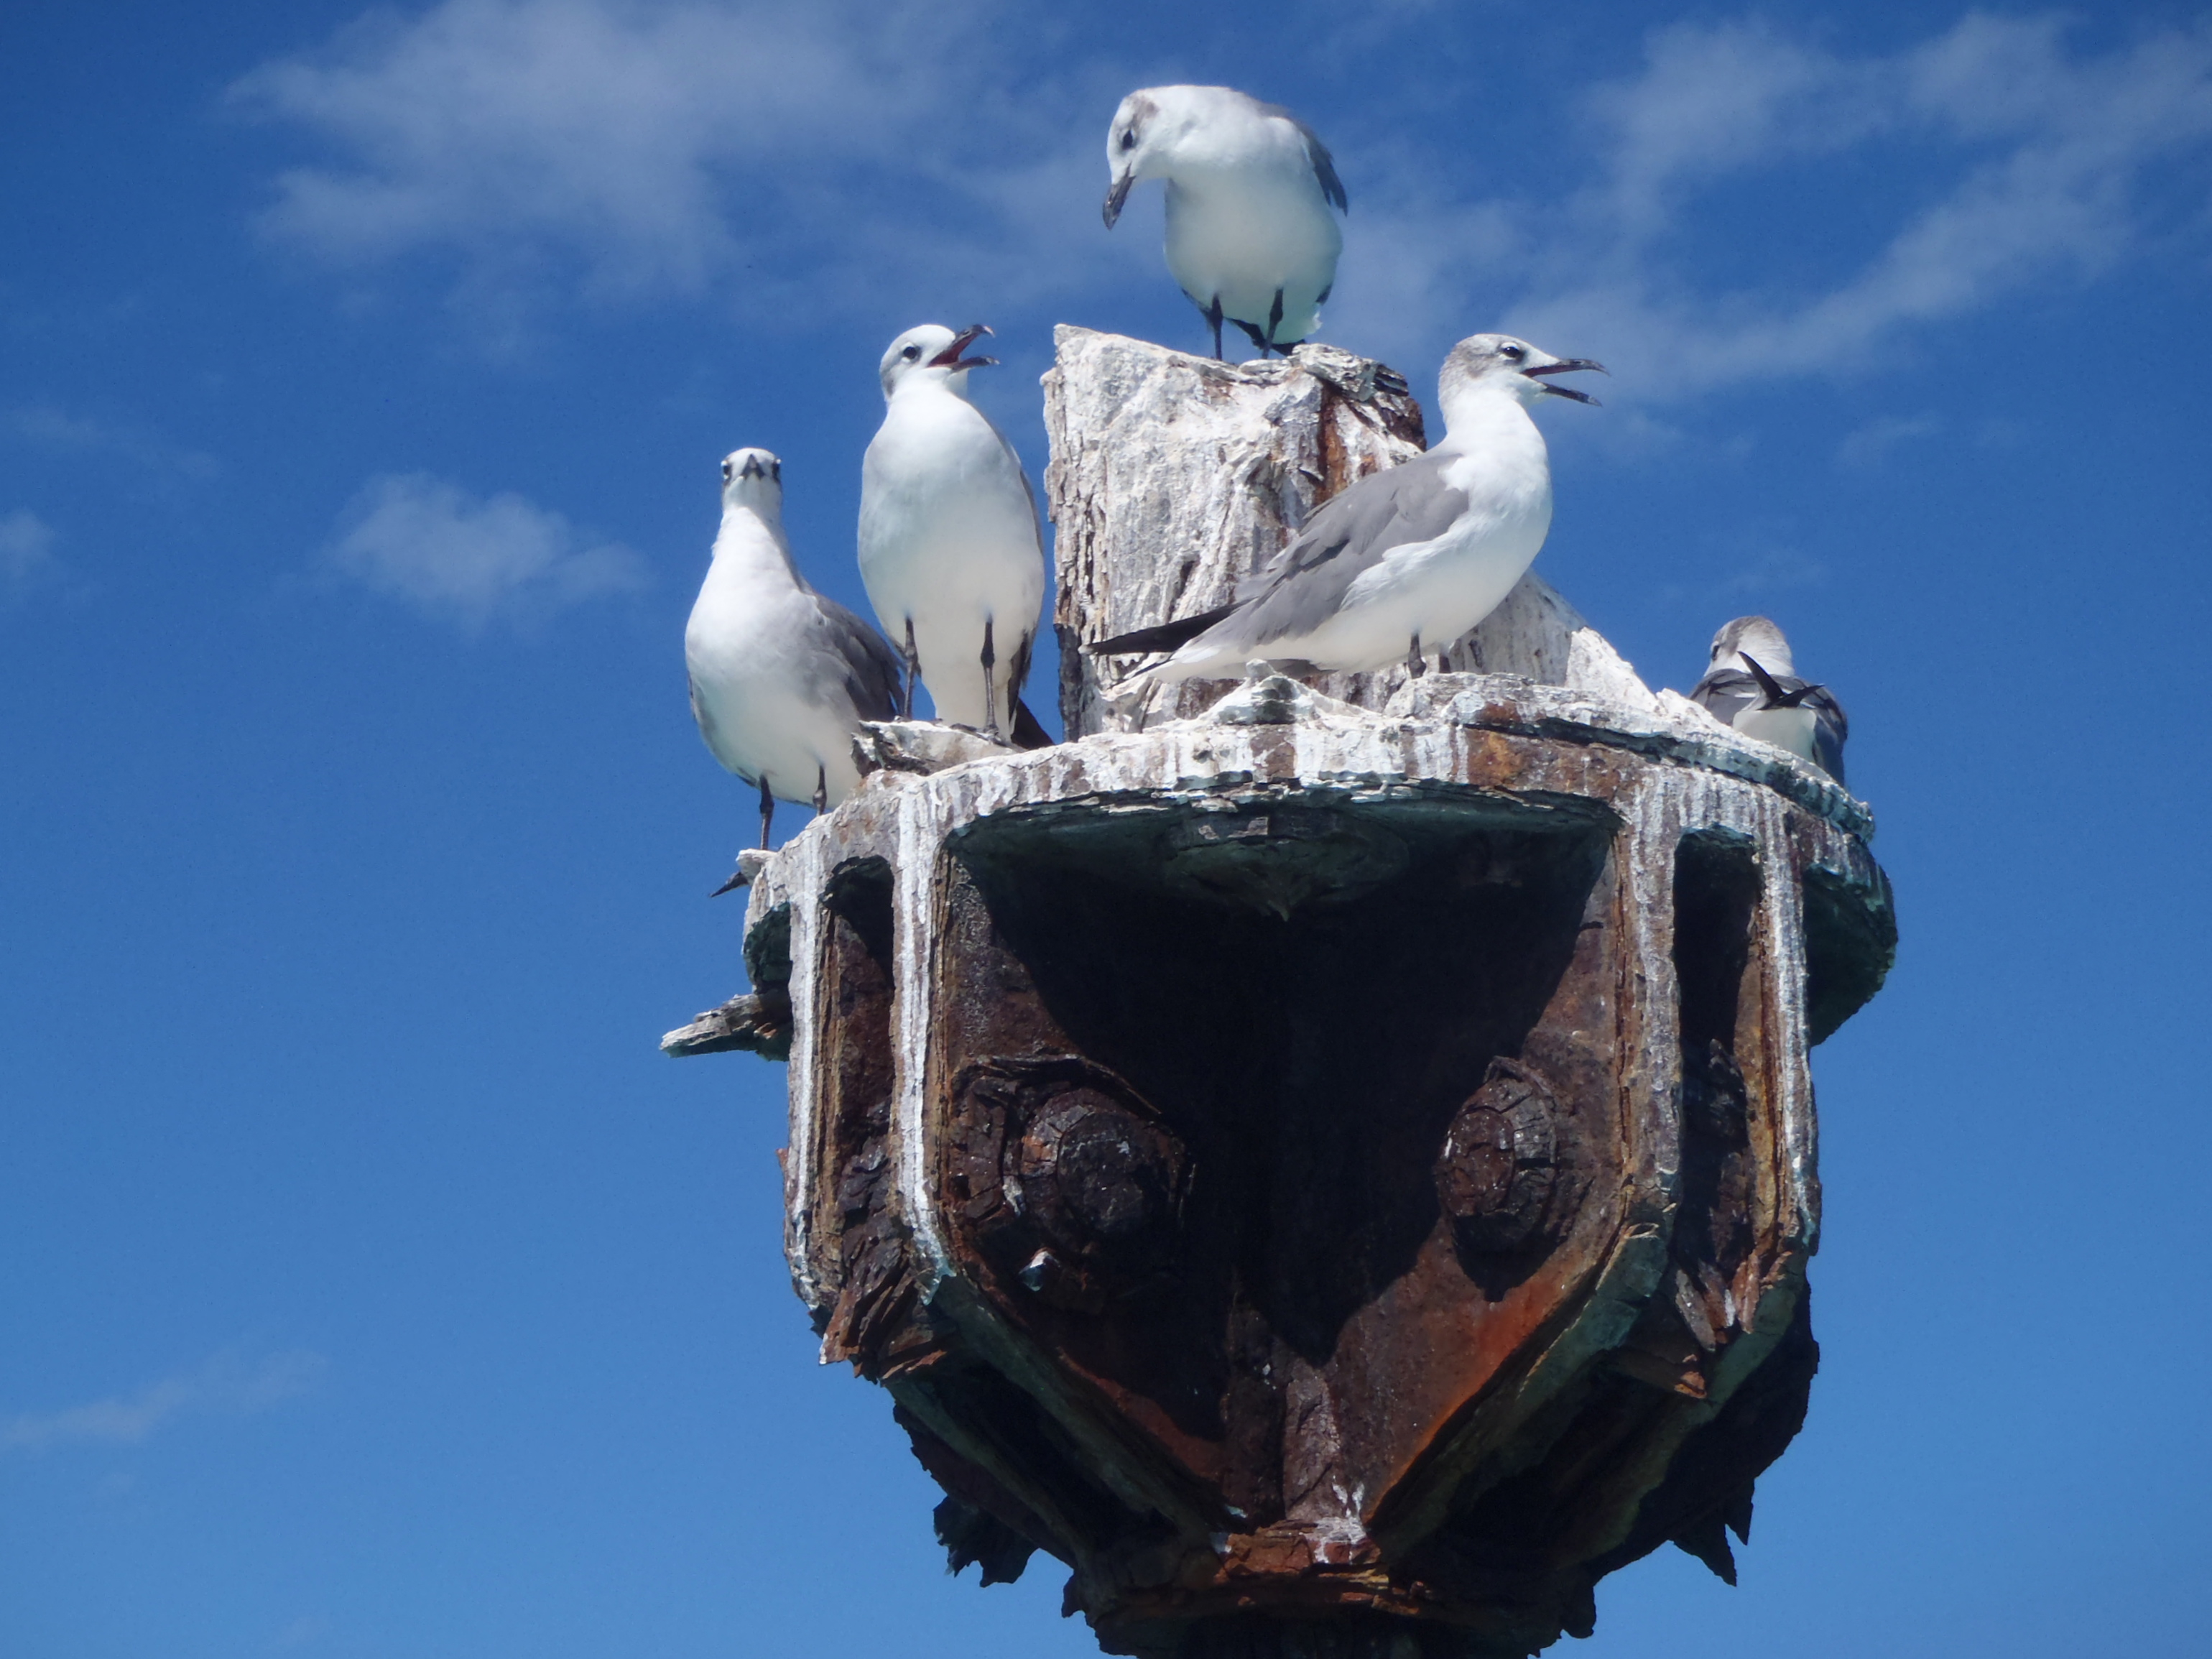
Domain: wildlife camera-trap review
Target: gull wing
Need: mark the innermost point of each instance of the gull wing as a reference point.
(854, 657)
(1303, 585)
(1727, 692)
(1324, 164)
(1832, 728)
(1324, 167)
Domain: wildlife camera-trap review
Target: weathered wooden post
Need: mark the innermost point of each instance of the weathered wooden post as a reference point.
(1336, 1170)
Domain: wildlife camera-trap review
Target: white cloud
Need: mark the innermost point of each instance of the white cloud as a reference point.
(469, 560)
(225, 1384)
(1774, 569)
(659, 147)
(1866, 446)
(26, 549)
(58, 430)
(842, 160)
(2038, 157)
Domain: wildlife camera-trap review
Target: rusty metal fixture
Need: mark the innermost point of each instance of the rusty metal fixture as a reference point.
(1339, 1180)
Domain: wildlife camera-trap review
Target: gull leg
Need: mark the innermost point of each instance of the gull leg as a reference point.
(1213, 316)
(1274, 322)
(912, 673)
(990, 692)
(1416, 663)
(821, 788)
(768, 811)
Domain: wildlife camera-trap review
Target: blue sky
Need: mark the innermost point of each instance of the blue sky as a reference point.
(370, 1285)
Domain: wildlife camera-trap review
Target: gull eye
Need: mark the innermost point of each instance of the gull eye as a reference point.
(775, 470)
(911, 353)
(726, 470)
(1129, 140)
(1514, 352)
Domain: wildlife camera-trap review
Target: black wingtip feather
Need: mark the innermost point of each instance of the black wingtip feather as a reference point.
(1029, 730)
(1769, 688)
(1163, 636)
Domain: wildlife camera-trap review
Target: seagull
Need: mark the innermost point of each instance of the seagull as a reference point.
(1251, 237)
(781, 676)
(1768, 702)
(1404, 560)
(951, 550)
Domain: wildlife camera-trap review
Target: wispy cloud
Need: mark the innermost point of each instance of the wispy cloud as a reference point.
(58, 430)
(468, 560)
(2038, 155)
(299, 1633)
(651, 148)
(812, 161)
(226, 1384)
(1774, 569)
(26, 549)
(1866, 446)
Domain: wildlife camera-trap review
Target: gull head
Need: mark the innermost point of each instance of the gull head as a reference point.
(931, 355)
(753, 478)
(1136, 142)
(1152, 127)
(1500, 363)
(1757, 636)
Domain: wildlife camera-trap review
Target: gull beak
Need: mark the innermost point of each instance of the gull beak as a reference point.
(950, 357)
(1117, 194)
(1562, 365)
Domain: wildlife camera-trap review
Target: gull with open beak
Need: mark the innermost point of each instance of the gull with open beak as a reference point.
(1751, 685)
(1403, 561)
(1251, 236)
(782, 678)
(951, 549)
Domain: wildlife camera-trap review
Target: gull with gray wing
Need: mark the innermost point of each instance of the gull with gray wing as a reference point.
(1251, 236)
(782, 678)
(1751, 685)
(1404, 561)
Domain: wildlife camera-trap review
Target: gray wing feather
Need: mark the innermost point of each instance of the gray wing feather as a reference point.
(1324, 164)
(1726, 693)
(1324, 167)
(858, 660)
(1303, 585)
(1832, 728)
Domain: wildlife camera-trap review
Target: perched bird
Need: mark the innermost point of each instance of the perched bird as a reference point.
(951, 550)
(781, 676)
(1251, 236)
(1763, 698)
(1405, 559)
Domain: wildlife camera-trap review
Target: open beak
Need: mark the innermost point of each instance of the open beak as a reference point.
(950, 358)
(1561, 366)
(1117, 195)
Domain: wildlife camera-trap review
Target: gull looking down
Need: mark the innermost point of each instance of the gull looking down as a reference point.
(951, 550)
(1251, 236)
(1751, 685)
(1404, 560)
(782, 678)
